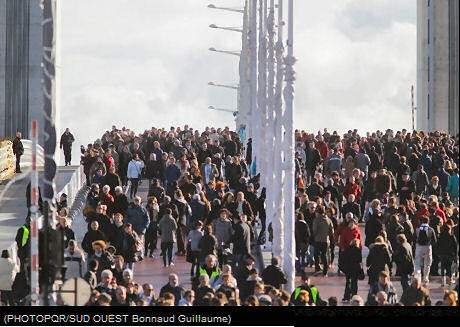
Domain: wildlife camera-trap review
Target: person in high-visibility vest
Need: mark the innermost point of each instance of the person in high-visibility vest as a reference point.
(312, 291)
(23, 240)
(210, 267)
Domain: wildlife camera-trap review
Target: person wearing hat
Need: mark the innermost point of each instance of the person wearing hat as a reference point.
(100, 255)
(384, 285)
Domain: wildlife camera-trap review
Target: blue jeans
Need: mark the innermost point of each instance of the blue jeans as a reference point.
(311, 255)
(405, 281)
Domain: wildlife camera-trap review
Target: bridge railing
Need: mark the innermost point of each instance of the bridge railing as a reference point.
(8, 159)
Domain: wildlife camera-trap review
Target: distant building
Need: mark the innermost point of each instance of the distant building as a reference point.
(21, 97)
(437, 65)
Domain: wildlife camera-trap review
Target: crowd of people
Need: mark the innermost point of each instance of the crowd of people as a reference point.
(203, 201)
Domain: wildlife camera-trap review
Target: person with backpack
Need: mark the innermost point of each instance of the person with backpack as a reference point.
(425, 238)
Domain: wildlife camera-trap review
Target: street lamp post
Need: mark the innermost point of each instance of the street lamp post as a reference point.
(253, 76)
(225, 8)
(289, 219)
(233, 29)
(234, 53)
(277, 219)
(270, 132)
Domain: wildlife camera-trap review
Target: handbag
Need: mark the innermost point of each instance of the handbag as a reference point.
(188, 255)
(361, 274)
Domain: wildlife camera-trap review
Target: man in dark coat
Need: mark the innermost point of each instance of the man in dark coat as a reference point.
(121, 203)
(174, 288)
(241, 240)
(18, 151)
(199, 209)
(66, 143)
(313, 160)
(274, 275)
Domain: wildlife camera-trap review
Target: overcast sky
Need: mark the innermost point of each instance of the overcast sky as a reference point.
(146, 63)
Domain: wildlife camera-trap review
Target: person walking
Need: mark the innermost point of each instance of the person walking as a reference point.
(241, 241)
(323, 235)
(379, 259)
(167, 229)
(66, 144)
(448, 251)
(425, 238)
(18, 151)
(75, 261)
(8, 271)
(135, 167)
(139, 218)
(404, 260)
(193, 238)
(352, 266)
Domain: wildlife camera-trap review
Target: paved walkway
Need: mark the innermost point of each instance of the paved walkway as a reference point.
(13, 208)
(151, 270)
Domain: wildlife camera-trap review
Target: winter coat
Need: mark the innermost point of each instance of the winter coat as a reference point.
(199, 210)
(421, 181)
(223, 231)
(273, 275)
(138, 217)
(194, 237)
(129, 247)
(373, 227)
(135, 169)
(207, 245)
(411, 296)
(362, 161)
(403, 258)
(379, 259)
(352, 261)
(241, 239)
(184, 211)
(394, 230)
(392, 297)
(452, 186)
(172, 173)
(354, 208)
(302, 235)
(347, 235)
(8, 271)
(447, 246)
(120, 204)
(89, 238)
(167, 229)
(323, 230)
(18, 148)
(383, 184)
(76, 264)
(157, 192)
(333, 163)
